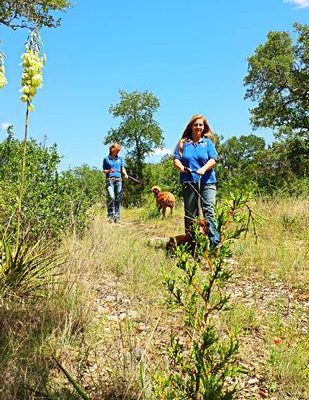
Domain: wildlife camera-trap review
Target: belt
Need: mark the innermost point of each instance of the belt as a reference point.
(114, 179)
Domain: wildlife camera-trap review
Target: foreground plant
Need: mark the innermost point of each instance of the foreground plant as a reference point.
(3, 80)
(32, 62)
(25, 267)
(74, 383)
(202, 360)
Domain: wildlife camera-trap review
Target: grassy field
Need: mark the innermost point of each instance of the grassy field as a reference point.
(104, 317)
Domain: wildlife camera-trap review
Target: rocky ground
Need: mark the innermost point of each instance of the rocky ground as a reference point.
(114, 306)
(130, 337)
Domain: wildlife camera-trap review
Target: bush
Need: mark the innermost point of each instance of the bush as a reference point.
(52, 202)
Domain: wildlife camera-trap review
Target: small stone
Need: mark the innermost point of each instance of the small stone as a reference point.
(137, 353)
(110, 299)
(140, 327)
(124, 301)
(253, 381)
(102, 309)
(113, 318)
(263, 393)
(123, 316)
(133, 314)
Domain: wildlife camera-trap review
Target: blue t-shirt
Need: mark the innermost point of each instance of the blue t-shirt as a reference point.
(194, 156)
(113, 163)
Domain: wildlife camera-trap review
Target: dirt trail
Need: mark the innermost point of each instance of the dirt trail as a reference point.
(264, 297)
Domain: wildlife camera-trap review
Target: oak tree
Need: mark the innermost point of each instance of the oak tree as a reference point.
(29, 13)
(138, 131)
(278, 80)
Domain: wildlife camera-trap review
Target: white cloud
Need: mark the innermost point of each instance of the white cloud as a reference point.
(161, 151)
(5, 125)
(299, 3)
(157, 154)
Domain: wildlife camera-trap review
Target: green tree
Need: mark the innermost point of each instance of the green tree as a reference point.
(91, 181)
(138, 132)
(165, 175)
(276, 173)
(278, 79)
(247, 162)
(29, 13)
(240, 157)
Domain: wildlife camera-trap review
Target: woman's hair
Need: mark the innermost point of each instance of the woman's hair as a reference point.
(115, 146)
(187, 133)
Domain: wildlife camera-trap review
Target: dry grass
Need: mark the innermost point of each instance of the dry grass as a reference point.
(270, 300)
(281, 252)
(106, 322)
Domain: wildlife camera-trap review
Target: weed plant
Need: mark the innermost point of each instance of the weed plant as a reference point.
(200, 361)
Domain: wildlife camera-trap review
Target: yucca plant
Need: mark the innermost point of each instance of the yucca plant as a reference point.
(32, 63)
(3, 80)
(25, 267)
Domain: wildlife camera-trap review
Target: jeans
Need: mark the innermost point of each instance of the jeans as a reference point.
(114, 190)
(200, 201)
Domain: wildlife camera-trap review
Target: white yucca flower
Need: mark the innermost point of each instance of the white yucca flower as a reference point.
(3, 80)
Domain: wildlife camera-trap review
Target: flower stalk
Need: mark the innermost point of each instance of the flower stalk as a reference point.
(32, 79)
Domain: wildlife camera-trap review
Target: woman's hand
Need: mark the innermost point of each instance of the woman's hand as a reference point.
(210, 164)
(201, 171)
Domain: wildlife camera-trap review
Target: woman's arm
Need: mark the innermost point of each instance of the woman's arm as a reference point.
(209, 165)
(105, 167)
(124, 173)
(179, 165)
(107, 171)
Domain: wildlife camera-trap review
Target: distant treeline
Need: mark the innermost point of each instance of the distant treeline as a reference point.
(280, 169)
(55, 202)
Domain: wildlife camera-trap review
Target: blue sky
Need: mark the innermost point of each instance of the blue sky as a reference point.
(191, 55)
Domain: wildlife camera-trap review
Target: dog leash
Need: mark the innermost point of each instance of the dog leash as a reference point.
(135, 180)
(199, 204)
(200, 198)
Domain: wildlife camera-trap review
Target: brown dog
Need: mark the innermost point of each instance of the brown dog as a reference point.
(164, 200)
(189, 237)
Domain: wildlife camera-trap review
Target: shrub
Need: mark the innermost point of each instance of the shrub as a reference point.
(52, 202)
(202, 360)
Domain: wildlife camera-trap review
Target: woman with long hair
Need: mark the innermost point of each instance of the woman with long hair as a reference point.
(195, 157)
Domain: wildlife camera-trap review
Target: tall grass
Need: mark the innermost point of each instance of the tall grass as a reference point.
(104, 318)
(282, 248)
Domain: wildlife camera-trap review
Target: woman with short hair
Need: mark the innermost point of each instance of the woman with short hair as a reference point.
(114, 169)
